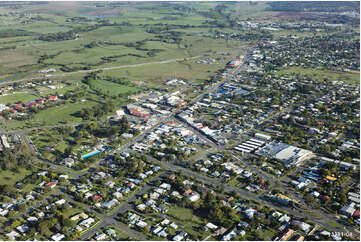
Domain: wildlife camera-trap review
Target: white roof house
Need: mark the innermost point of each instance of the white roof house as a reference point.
(262, 136)
(173, 225)
(60, 202)
(165, 186)
(249, 212)
(57, 237)
(4, 212)
(23, 228)
(315, 194)
(110, 203)
(229, 236)
(141, 207)
(194, 197)
(101, 236)
(120, 112)
(65, 177)
(110, 184)
(211, 226)
(117, 195)
(32, 219)
(87, 222)
(12, 235)
(165, 222)
(141, 224)
(179, 236)
(157, 229)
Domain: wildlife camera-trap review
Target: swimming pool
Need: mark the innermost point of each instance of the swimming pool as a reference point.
(90, 154)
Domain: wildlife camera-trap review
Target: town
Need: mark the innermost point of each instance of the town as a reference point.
(266, 146)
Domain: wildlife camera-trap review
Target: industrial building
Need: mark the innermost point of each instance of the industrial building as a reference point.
(289, 155)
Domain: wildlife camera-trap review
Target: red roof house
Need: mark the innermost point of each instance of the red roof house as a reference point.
(97, 197)
(18, 106)
(50, 184)
(52, 98)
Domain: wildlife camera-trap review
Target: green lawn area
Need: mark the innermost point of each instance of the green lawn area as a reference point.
(17, 97)
(121, 235)
(184, 214)
(8, 177)
(51, 116)
(269, 232)
(72, 211)
(63, 88)
(334, 224)
(154, 75)
(114, 88)
(321, 74)
(61, 113)
(185, 218)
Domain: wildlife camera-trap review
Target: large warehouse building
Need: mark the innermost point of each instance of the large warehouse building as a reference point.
(289, 155)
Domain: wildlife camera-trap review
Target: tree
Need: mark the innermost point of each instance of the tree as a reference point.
(7, 190)
(68, 151)
(15, 223)
(342, 197)
(44, 228)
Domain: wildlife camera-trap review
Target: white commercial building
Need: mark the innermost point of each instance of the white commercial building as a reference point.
(287, 154)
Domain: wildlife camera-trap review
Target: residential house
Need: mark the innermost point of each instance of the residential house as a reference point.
(23, 228)
(50, 184)
(57, 237)
(287, 235)
(117, 195)
(110, 204)
(229, 236)
(13, 235)
(180, 236)
(194, 197)
(101, 236)
(87, 222)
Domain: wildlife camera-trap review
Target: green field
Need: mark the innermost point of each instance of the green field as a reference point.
(17, 97)
(56, 17)
(8, 177)
(186, 218)
(153, 75)
(121, 235)
(114, 88)
(62, 113)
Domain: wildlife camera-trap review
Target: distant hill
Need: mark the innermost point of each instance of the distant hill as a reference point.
(317, 6)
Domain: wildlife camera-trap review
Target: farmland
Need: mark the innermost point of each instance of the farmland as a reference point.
(138, 46)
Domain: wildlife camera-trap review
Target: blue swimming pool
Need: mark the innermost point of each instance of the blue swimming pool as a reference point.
(90, 154)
